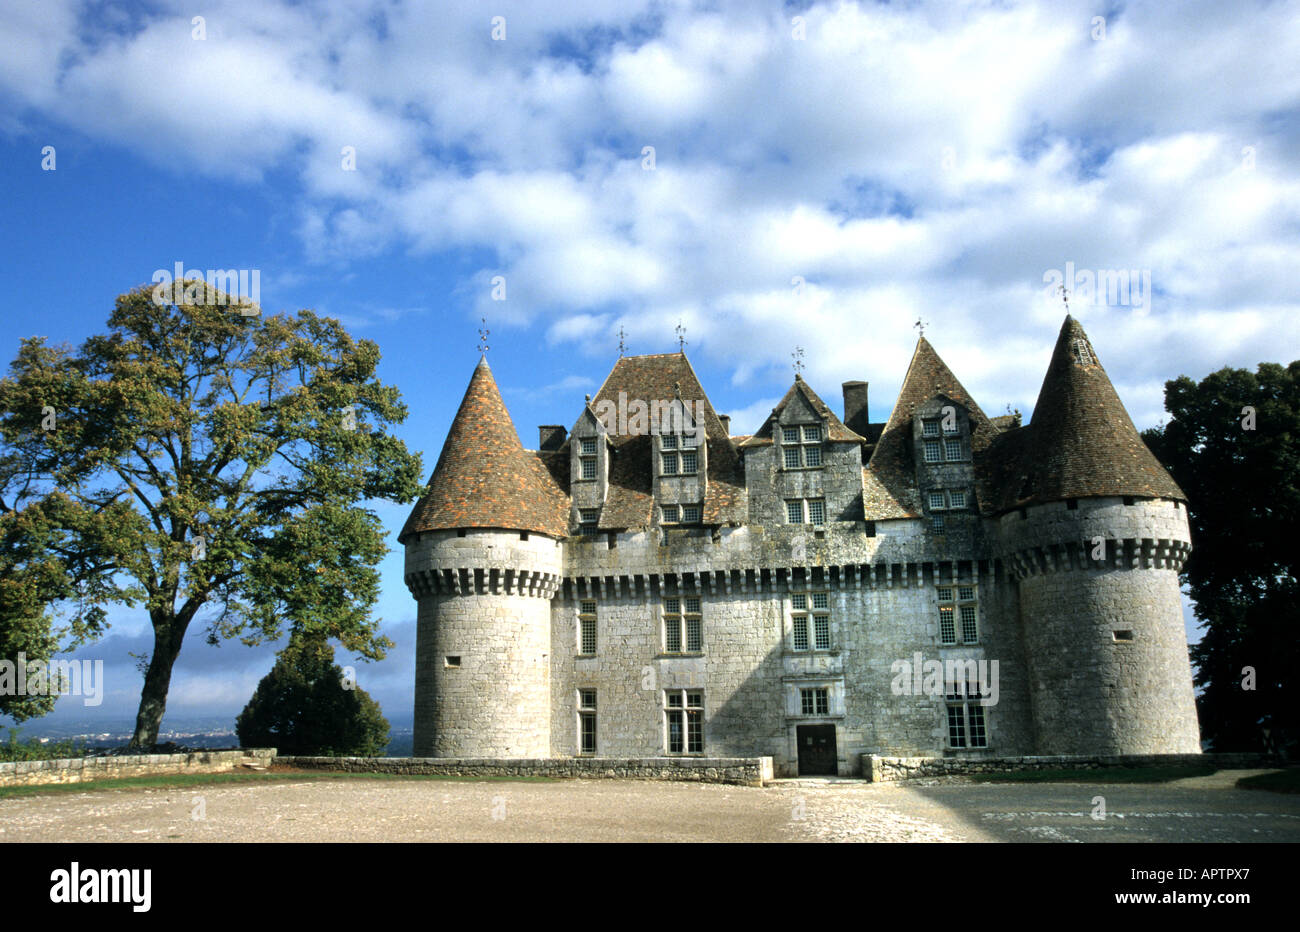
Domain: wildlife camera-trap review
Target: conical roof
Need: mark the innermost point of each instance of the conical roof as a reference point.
(1081, 442)
(484, 477)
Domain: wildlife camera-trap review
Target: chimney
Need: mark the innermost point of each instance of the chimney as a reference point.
(856, 417)
(726, 423)
(551, 436)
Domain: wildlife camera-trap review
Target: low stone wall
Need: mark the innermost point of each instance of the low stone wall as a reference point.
(744, 771)
(84, 769)
(879, 769)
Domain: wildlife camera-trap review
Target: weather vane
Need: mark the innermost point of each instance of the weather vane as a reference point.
(681, 337)
(483, 335)
(1065, 296)
(622, 341)
(797, 356)
(920, 325)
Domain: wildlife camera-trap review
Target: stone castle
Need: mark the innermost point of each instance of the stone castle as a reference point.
(942, 584)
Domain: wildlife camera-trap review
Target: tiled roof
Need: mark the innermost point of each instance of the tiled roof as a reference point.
(1080, 443)
(663, 377)
(485, 478)
(892, 468)
(835, 429)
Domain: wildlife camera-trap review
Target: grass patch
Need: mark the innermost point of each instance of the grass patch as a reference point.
(1284, 781)
(186, 780)
(1099, 775)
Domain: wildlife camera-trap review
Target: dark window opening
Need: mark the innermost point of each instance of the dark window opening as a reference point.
(523, 535)
(460, 533)
(1128, 500)
(453, 661)
(1123, 635)
(1072, 504)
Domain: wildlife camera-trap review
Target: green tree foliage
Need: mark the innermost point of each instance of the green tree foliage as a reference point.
(199, 456)
(1233, 444)
(305, 706)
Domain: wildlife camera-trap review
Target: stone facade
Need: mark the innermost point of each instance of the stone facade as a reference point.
(815, 594)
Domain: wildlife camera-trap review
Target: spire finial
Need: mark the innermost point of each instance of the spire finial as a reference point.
(1065, 297)
(921, 325)
(681, 337)
(483, 332)
(797, 356)
(622, 341)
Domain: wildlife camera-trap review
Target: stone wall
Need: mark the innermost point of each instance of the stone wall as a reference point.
(81, 770)
(749, 673)
(881, 769)
(1104, 639)
(483, 640)
(752, 771)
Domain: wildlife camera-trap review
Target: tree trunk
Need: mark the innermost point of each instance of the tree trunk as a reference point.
(157, 680)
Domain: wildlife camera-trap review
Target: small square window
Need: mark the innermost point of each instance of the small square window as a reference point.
(587, 699)
(670, 464)
(821, 600)
(588, 515)
(690, 460)
(932, 451)
(668, 441)
(794, 512)
(588, 447)
(936, 524)
(692, 605)
(670, 514)
(817, 511)
(799, 601)
(952, 449)
(965, 593)
(812, 434)
(957, 498)
(791, 457)
(690, 514)
(812, 456)
(929, 428)
(453, 660)
(945, 595)
(790, 434)
(588, 468)
(937, 502)
(674, 699)
(588, 608)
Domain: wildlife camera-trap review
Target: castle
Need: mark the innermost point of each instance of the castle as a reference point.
(646, 584)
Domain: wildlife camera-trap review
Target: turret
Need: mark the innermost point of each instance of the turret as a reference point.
(1094, 531)
(483, 560)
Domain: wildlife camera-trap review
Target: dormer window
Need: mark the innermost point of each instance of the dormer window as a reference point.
(930, 427)
(587, 519)
(670, 464)
(679, 455)
(801, 446)
(690, 462)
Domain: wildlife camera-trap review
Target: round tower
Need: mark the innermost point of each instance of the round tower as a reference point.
(483, 559)
(1094, 531)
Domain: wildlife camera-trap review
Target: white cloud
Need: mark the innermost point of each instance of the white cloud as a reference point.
(922, 161)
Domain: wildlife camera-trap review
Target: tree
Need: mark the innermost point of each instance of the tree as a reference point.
(1234, 446)
(201, 455)
(306, 706)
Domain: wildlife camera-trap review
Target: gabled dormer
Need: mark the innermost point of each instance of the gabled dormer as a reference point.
(680, 466)
(589, 459)
(803, 466)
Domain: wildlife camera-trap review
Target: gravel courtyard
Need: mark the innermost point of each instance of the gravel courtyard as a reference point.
(611, 810)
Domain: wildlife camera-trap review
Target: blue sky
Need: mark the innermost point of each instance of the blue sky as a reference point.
(920, 160)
